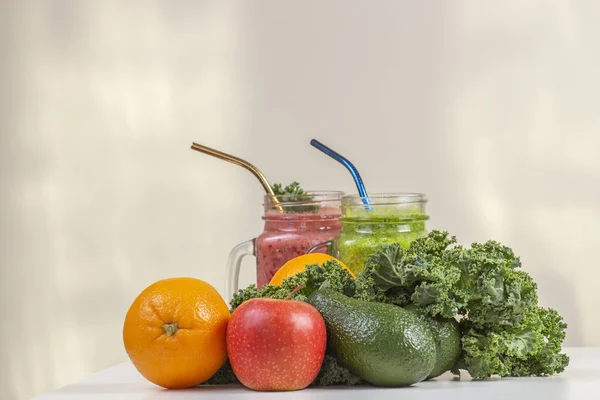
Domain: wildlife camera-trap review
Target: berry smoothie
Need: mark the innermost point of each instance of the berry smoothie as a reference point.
(291, 234)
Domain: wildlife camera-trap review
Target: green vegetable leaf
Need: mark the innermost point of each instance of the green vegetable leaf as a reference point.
(332, 373)
(504, 331)
(223, 376)
(330, 274)
(293, 193)
(532, 347)
(293, 189)
(419, 275)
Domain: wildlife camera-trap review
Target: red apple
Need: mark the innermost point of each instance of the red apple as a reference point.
(276, 344)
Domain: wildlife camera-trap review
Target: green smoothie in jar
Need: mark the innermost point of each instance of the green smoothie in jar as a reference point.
(388, 218)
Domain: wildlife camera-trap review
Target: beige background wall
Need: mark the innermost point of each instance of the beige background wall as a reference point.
(491, 108)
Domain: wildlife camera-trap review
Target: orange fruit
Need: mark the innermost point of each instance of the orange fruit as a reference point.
(298, 264)
(174, 332)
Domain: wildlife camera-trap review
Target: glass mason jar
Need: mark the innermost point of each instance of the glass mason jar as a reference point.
(305, 221)
(388, 218)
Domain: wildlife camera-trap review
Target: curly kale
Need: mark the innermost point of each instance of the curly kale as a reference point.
(223, 376)
(504, 332)
(332, 373)
(252, 292)
(532, 347)
(330, 274)
(419, 275)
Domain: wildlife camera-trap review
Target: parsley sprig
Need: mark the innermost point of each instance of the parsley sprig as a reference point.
(293, 193)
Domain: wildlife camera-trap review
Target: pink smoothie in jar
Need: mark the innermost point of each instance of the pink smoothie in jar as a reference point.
(301, 225)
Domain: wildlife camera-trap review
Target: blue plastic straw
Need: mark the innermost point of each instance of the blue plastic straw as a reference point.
(346, 163)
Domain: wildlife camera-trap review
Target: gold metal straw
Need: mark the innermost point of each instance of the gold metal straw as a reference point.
(243, 163)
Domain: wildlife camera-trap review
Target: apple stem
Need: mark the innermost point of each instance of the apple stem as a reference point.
(293, 292)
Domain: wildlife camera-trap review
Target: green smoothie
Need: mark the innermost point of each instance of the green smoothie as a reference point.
(364, 230)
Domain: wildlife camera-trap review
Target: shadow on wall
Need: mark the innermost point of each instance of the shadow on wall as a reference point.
(101, 192)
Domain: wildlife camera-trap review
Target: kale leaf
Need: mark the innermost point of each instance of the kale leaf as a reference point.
(420, 275)
(330, 274)
(332, 373)
(223, 376)
(532, 347)
(504, 331)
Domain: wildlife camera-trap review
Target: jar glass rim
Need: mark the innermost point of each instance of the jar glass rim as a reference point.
(384, 199)
(315, 197)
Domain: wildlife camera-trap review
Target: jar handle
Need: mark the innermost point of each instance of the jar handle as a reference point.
(234, 262)
(316, 247)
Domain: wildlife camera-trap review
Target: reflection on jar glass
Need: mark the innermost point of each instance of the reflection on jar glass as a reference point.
(389, 218)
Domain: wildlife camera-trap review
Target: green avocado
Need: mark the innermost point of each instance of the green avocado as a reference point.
(382, 344)
(446, 334)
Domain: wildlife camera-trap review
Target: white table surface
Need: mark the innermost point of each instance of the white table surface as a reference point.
(581, 380)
